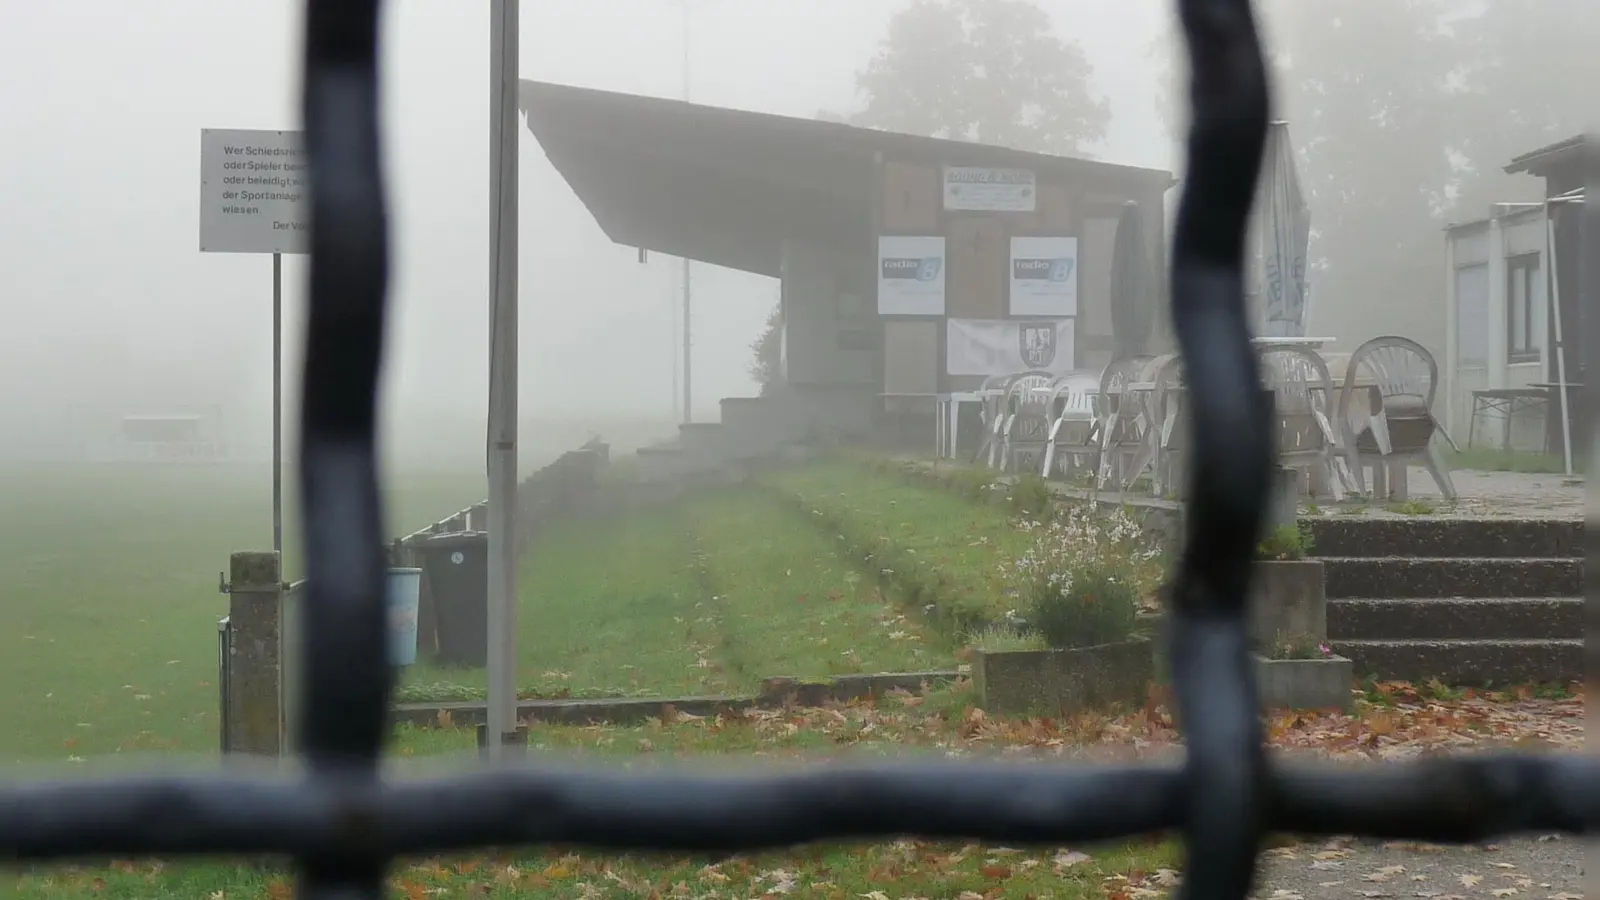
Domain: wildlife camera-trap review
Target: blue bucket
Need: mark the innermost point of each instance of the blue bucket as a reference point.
(405, 588)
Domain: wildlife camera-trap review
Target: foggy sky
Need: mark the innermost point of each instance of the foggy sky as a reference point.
(107, 299)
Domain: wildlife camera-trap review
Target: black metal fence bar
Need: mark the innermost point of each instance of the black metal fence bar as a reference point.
(1442, 800)
(343, 825)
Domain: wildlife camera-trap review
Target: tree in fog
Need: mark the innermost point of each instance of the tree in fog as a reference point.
(768, 350)
(990, 71)
(1526, 80)
(1403, 113)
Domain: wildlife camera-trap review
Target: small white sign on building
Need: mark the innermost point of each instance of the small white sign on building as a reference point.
(1044, 276)
(911, 275)
(990, 190)
(253, 193)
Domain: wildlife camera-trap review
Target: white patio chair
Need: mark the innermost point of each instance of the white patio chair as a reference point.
(1075, 423)
(1168, 438)
(1122, 416)
(1025, 420)
(1395, 426)
(1305, 437)
(996, 388)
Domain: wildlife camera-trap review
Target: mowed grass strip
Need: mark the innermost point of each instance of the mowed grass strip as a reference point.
(608, 607)
(790, 603)
(968, 544)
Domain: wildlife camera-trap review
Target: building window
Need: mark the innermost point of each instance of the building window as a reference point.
(1522, 274)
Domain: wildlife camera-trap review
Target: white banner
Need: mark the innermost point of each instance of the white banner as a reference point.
(990, 190)
(1044, 276)
(1006, 346)
(910, 276)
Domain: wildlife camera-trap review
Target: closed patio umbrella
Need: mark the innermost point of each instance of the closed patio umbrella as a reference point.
(1283, 223)
(1133, 285)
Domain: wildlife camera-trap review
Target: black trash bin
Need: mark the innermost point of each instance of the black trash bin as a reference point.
(457, 569)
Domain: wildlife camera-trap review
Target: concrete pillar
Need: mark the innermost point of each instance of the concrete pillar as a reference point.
(1497, 304)
(255, 666)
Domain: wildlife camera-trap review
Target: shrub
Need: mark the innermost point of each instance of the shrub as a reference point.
(969, 482)
(1285, 542)
(1001, 639)
(1033, 498)
(1084, 608)
(1082, 580)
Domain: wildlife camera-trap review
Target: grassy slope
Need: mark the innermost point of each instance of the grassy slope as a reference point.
(609, 606)
(966, 542)
(790, 604)
(708, 596)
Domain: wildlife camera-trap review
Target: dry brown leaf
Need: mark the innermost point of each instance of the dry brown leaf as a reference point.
(1066, 859)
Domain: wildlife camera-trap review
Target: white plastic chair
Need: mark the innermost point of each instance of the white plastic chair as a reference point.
(1075, 423)
(1122, 420)
(1400, 431)
(1305, 436)
(1025, 419)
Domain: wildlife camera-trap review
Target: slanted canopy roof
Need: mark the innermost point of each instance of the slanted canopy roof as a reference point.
(1539, 162)
(727, 187)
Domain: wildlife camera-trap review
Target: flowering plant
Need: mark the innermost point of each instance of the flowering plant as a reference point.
(1082, 579)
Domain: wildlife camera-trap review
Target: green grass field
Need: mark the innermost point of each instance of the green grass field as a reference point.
(110, 577)
(109, 580)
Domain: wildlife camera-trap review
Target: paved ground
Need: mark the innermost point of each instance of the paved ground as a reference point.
(1548, 867)
(1498, 494)
(1511, 495)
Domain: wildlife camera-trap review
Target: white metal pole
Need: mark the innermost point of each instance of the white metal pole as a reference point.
(688, 318)
(1452, 346)
(502, 449)
(1553, 296)
(277, 406)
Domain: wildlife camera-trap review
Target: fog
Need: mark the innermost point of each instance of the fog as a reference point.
(109, 305)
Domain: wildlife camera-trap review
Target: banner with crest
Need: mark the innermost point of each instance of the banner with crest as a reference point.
(1004, 346)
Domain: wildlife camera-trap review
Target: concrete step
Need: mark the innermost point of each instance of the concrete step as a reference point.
(1457, 618)
(705, 446)
(659, 462)
(1444, 537)
(751, 427)
(1473, 663)
(1390, 577)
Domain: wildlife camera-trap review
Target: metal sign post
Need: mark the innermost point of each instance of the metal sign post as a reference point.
(502, 449)
(277, 405)
(252, 200)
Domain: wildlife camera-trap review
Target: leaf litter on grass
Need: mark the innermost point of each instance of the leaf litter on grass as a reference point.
(943, 723)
